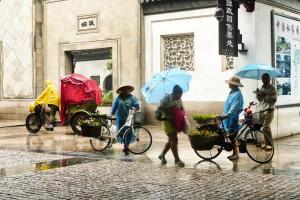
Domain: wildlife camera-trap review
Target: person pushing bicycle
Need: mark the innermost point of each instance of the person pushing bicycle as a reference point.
(121, 106)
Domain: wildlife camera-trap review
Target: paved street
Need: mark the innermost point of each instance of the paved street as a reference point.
(59, 165)
(111, 179)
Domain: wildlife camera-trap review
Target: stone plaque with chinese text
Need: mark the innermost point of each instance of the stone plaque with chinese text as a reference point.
(88, 23)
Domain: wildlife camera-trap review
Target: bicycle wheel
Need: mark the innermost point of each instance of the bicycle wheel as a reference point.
(256, 141)
(138, 138)
(215, 151)
(33, 124)
(209, 154)
(101, 143)
(75, 121)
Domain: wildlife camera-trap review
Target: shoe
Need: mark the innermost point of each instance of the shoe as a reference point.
(179, 163)
(233, 157)
(162, 158)
(268, 147)
(126, 152)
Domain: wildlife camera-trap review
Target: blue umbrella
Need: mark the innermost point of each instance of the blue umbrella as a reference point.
(162, 84)
(255, 71)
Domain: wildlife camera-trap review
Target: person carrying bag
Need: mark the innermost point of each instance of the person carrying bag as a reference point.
(173, 121)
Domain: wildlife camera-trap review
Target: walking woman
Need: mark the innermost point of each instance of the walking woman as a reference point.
(121, 106)
(167, 106)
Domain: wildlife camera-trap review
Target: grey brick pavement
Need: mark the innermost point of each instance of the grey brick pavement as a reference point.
(111, 179)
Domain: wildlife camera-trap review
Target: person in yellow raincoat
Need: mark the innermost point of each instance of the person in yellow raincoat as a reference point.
(47, 104)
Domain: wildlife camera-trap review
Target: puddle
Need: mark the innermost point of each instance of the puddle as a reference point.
(43, 166)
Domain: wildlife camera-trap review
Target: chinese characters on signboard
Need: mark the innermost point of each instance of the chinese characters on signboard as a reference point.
(88, 23)
(286, 41)
(228, 28)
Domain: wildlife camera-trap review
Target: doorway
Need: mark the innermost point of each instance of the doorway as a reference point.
(95, 64)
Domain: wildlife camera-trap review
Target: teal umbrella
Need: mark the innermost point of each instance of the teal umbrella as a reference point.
(255, 71)
(162, 84)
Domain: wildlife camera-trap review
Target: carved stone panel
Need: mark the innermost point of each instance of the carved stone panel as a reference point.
(178, 50)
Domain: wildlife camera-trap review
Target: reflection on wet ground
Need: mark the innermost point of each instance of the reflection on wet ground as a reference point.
(42, 166)
(62, 142)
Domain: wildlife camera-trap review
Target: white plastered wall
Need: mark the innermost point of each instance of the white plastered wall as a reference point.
(208, 75)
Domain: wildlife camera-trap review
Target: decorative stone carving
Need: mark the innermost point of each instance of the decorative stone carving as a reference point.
(178, 50)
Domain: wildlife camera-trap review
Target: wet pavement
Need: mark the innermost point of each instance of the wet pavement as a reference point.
(60, 158)
(62, 142)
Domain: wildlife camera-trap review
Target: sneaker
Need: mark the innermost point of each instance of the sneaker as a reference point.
(233, 157)
(179, 163)
(162, 158)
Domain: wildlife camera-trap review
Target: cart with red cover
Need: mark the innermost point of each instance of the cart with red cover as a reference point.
(79, 97)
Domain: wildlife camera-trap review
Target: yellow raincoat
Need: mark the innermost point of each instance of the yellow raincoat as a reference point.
(49, 96)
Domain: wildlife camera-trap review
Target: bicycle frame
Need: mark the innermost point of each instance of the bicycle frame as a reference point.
(127, 126)
(242, 129)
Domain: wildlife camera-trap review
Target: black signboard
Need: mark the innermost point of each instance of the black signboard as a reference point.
(228, 28)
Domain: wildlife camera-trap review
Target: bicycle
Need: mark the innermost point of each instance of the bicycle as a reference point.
(254, 141)
(142, 136)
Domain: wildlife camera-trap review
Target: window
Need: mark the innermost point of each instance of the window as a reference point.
(178, 50)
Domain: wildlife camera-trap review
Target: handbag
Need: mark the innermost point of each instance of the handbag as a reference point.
(178, 119)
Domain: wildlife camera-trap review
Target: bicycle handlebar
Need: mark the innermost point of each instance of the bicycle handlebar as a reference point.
(111, 118)
(222, 117)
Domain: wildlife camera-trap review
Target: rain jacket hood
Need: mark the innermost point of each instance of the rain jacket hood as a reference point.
(49, 96)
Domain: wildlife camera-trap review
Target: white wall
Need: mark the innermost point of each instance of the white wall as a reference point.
(16, 35)
(207, 83)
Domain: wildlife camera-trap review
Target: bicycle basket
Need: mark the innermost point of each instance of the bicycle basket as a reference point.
(257, 118)
(91, 131)
(138, 118)
(201, 142)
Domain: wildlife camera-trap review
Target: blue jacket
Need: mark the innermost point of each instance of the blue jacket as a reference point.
(121, 107)
(233, 107)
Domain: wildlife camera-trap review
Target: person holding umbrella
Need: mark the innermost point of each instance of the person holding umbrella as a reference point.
(267, 97)
(232, 108)
(121, 105)
(167, 105)
(166, 88)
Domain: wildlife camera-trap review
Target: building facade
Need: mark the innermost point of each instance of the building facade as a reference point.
(124, 42)
(269, 34)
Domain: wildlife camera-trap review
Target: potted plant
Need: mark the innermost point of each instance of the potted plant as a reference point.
(204, 118)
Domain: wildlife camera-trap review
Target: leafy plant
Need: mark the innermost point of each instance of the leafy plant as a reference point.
(204, 118)
(95, 120)
(107, 98)
(90, 122)
(195, 132)
(109, 65)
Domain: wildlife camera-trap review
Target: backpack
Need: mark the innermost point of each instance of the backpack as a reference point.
(158, 114)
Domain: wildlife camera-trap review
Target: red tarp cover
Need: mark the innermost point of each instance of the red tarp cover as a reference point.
(77, 89)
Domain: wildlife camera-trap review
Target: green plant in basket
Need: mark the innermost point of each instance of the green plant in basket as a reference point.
(90, 122)
(196, 132)
(204, 118)
(95, 120)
